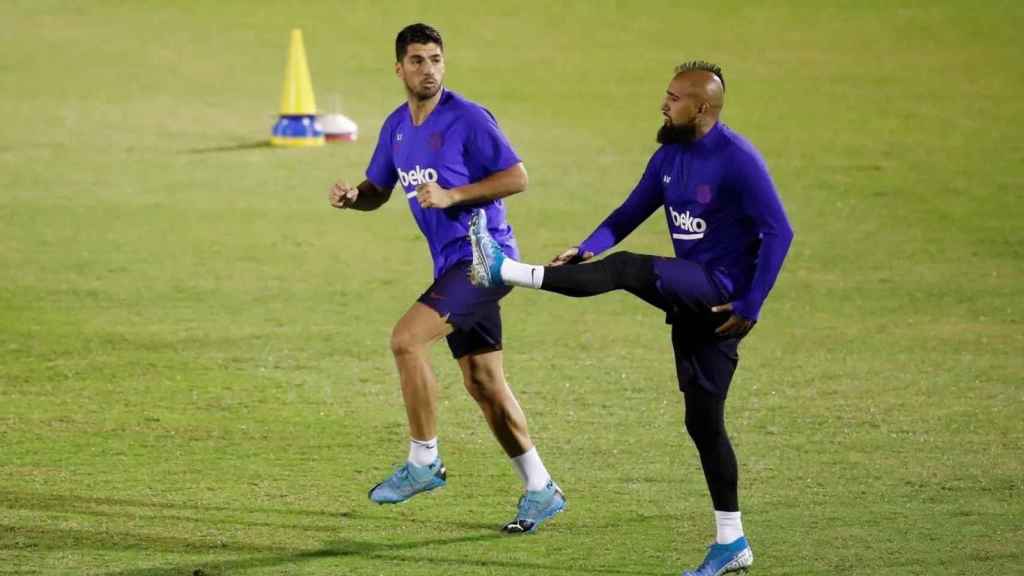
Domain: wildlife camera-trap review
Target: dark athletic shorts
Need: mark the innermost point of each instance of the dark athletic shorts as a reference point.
(702, 358)
(473, 312)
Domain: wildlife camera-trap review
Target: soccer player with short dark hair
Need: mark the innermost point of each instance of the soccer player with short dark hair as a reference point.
(730, 235)
(451, 159)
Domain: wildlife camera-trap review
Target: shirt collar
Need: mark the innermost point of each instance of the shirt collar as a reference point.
(708, 141)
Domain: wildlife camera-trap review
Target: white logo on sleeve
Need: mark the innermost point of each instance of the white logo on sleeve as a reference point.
(416, 177)
(693, 228)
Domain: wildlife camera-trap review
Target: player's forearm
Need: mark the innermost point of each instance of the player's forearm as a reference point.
(772, 253)
(509, 181)
(639, 206)
(370, 196)
(608, 233)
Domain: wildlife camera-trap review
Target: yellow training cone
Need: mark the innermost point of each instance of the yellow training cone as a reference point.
(297, 125)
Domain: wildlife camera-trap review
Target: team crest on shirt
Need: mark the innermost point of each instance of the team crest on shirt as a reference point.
(703, 193)
(436, 141)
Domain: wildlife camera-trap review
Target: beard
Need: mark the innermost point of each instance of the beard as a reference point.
(677, 133)
(424, 92)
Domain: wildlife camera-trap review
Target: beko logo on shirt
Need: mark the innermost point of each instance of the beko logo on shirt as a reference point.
(417, 176)
(695, 227)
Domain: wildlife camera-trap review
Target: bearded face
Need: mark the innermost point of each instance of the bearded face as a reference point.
(422, 70)
(670, 133)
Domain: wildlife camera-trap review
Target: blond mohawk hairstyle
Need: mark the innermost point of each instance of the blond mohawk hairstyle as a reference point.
(704, 67)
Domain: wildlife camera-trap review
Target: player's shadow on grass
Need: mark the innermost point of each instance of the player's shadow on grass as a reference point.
(254, 555)
(45, 501)
(385, 552)
(198, 515)
(64, 540)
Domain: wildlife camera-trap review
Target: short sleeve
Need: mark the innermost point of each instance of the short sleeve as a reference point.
(488, 147)
(381, 170)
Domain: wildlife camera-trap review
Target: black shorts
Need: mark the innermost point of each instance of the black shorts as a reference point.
(702, 358)
(473, 312)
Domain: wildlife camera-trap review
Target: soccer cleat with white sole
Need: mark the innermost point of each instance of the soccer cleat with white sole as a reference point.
(408, 481)
(485, 271)
(735, 556)
(535, 507)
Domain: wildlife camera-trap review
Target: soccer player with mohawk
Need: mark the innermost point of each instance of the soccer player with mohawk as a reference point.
(730, 235)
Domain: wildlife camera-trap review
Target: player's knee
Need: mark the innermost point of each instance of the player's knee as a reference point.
(404, 342)
(480, 391)
(629, 269)
(703, 431)
(483, 383)
(693, 428)
(621, 259)
(475, 389)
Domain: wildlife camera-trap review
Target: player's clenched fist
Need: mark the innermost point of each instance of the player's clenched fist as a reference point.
(431, 195)
(342, 195)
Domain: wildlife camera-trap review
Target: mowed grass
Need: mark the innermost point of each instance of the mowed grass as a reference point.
(194, 361)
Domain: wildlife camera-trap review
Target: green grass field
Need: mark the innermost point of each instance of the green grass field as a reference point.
(194, 366)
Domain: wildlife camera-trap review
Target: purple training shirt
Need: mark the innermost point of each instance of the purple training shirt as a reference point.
(722, 209)
(459, 143)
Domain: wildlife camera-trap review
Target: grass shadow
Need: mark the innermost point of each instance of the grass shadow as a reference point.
(47, 502)
(190, 539)
(387, 552)
(240, 147)
(326, 521)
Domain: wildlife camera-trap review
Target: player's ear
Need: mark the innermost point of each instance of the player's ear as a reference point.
(398, 68)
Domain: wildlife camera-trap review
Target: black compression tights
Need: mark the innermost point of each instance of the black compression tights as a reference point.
(705, 414)
(627, 271)
(705, 421)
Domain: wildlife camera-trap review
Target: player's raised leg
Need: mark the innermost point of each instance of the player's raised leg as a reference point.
(634, 273)
(411, 339)
(484, 378)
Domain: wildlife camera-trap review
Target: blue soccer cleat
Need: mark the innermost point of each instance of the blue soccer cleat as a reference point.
(735, 556)
(535, 507)
(408, 481)
(485, 271)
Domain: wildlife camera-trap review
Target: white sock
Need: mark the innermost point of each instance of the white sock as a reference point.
(729, 526)
(519, 274)
(535, 476)
(422, 452)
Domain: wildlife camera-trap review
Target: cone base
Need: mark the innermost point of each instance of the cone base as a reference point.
(297, 142)
(297, 131)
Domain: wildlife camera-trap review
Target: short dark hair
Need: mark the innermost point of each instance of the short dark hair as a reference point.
(702, 66)
(418, 33)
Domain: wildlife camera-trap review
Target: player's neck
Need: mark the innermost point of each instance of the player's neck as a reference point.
(421, 109)
(704, 127)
